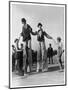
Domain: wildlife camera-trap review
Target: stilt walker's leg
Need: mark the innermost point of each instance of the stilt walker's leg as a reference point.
(44, 57)
(38, 59)
(24, 58)
(30, 55)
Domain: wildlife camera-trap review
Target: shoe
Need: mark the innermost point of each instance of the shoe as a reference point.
(37, 70)
(44, 70)
(25, 75)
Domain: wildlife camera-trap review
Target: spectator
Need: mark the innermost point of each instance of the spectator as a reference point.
(16, 55)
(59, 52)
(50, 53)
(13, 58)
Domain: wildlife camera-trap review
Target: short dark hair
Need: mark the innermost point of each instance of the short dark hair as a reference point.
(23, 20)
(59, 39)
(39, 24)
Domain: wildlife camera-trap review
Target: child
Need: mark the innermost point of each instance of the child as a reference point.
(16, 55)
(26, 38)
(59, 51)
(50, 53)
(42, 53)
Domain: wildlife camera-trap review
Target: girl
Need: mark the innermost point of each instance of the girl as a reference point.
(59, 51)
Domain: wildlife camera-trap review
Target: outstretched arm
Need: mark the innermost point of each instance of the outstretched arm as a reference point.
(33, 33)
(48, 36)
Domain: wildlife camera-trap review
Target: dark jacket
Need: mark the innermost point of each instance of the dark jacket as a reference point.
(26, 33)
(50, 52)
(43, 33)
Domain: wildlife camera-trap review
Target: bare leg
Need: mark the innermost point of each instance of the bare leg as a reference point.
(60, 62)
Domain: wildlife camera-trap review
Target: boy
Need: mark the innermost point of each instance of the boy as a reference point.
(59, 51)
(16, 55)
(50, 53)
(26, 38)
(41, 64)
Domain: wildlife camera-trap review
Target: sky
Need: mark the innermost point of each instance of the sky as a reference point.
(51, 16)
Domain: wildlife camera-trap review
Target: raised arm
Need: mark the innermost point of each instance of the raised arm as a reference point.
(48, 36)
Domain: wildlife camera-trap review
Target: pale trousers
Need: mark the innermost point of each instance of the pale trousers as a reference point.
(42, 56)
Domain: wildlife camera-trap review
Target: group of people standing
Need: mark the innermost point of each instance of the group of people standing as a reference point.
(25, 35)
